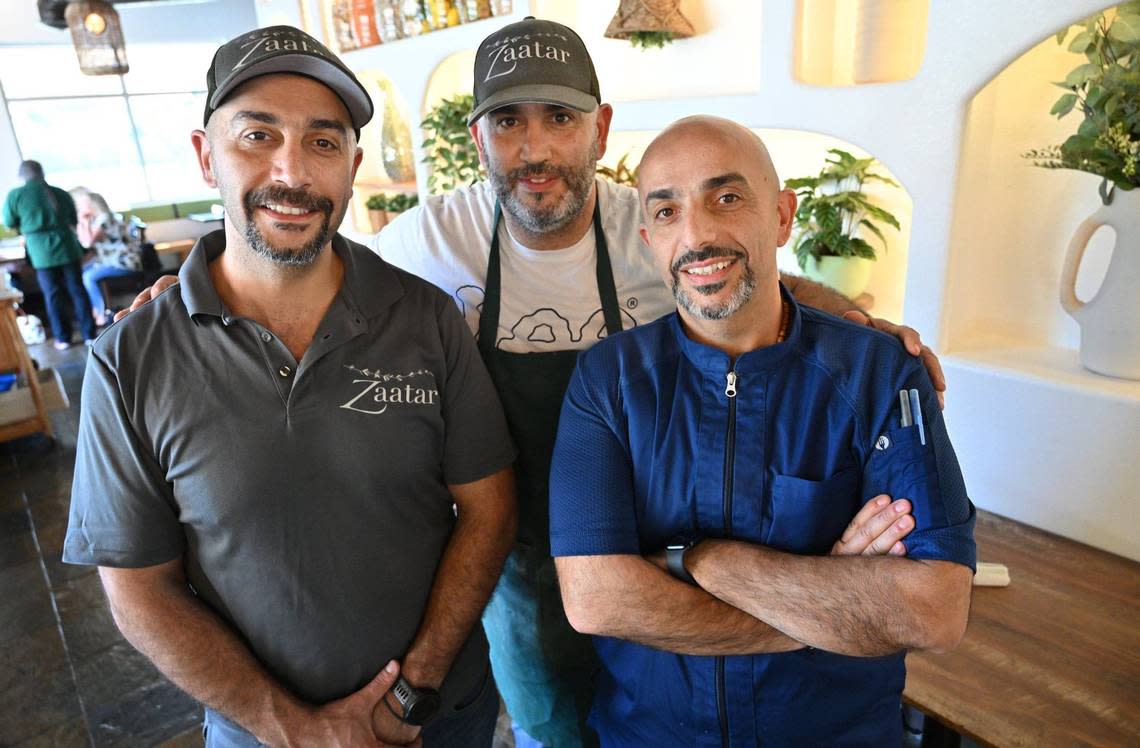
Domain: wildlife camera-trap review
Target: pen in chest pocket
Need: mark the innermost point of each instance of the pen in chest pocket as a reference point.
(916, 411)
(911, 411)
(904, 408)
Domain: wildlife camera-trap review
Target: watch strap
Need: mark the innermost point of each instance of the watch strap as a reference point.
(675, 561)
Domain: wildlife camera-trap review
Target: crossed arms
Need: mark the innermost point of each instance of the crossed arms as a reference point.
(863, 599)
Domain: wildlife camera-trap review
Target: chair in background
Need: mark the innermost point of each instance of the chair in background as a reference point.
(120, 290)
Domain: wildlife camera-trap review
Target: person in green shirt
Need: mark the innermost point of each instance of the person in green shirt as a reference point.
(45, 215)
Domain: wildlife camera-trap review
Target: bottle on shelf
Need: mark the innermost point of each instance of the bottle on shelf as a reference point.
(473, 10)
(390, 20)
(340, 14)
(364, 23)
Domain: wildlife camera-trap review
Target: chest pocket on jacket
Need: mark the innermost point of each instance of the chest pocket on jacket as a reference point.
(808, 516)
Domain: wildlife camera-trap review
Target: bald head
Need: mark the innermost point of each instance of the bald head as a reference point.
(691, 139)
(714, 215)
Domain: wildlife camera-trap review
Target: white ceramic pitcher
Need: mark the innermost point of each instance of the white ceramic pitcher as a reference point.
(1110, 321)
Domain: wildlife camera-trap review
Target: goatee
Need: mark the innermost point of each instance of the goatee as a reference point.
(546, 214)
(307, 253)
(740, 296)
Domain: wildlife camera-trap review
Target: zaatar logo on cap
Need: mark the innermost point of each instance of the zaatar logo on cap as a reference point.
(260, 43)
(508, 52)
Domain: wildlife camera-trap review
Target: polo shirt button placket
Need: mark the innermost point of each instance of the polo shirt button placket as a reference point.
(285, 371)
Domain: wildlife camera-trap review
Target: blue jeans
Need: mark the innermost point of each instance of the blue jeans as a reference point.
(94, 273)
(53, 282)
(472, 725)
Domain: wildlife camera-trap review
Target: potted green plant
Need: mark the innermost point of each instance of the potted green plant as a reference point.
(833, 211)
(449, 150)
(1105, 89)
(383, 207)
(621, 173)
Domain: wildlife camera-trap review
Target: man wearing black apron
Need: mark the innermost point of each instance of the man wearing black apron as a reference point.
(525, 614)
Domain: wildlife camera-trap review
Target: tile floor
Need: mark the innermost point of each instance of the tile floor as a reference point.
(67, 677)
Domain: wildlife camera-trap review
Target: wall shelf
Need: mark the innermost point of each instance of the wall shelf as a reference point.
(1045, 365)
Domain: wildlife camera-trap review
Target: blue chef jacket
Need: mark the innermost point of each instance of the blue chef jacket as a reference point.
(651, 450)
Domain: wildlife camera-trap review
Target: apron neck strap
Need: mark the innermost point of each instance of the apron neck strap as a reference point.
(492, 294)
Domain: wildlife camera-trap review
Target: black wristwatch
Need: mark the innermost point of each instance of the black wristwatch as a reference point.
(675, 561)
(418, 704)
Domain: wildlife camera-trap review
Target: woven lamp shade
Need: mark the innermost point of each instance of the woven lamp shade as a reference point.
(98, 37)
(649, 15)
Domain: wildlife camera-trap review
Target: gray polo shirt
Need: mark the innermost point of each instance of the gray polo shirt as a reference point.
(308, 500)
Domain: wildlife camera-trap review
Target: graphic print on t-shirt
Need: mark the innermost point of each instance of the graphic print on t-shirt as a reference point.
(545, 326)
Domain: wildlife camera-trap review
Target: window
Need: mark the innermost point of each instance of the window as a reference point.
(126, 137)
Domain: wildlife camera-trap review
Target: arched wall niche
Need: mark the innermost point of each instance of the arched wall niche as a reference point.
(801, 153)
(1032, 429)
(1013, 220)
(453, 76)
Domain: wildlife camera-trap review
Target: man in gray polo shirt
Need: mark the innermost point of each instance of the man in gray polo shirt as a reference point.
(269, 454)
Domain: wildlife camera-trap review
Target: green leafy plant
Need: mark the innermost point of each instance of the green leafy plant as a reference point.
(621, 173)
(648, 39)
(833, 209)
(449, 149)
(1106, 90)
(392, 202)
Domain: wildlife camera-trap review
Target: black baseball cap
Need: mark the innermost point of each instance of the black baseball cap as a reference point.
(534, 61)
(283, 49)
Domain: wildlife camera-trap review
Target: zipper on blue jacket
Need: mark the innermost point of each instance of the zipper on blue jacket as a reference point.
(729, 451)
(721, 708)
(729, 464)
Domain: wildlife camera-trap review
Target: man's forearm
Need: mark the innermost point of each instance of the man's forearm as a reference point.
(628, 597)
(818, 295)
(196, 650)
(855, 605)
(467, 574)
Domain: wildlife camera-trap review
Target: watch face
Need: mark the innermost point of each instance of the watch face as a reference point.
(423, 707)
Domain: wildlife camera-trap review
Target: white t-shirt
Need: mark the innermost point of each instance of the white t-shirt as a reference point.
(549, 298)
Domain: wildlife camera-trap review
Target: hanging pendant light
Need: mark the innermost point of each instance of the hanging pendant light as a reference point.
(98, 37)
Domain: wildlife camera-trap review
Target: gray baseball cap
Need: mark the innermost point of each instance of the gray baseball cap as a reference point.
(534, 61)
(283, 49)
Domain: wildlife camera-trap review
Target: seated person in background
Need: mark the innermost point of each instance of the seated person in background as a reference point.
(116, 249)
(706, 465)
(45, 215)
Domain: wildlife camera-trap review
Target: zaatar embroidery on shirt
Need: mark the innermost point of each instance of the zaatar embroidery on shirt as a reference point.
(378, 390)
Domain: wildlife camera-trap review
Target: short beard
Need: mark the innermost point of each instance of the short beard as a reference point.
(306, 254)
(551, 216)
(740, 296)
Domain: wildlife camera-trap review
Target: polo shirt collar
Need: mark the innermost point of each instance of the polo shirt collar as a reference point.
(716, 361)
(370, 284)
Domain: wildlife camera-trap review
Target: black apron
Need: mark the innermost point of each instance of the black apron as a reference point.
(543, 667)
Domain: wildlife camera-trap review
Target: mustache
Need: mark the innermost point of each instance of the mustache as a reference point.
(703, 254)
(541, 169)
(296, 198)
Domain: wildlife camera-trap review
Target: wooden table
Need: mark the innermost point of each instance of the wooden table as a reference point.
(1051, 660)
(178, 235)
